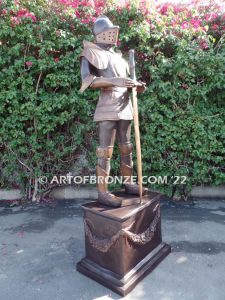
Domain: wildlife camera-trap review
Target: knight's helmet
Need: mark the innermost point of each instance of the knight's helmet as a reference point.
(105, 32)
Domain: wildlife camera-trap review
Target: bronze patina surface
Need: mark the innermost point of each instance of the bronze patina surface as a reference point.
(105, 69)
(122, 229)
(123, 244)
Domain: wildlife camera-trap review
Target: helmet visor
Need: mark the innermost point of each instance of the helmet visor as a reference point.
(108, 36)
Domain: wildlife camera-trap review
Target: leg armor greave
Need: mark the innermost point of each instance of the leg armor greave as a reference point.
(103, 167)
(126, 163)
(102, 172)
(126, 169)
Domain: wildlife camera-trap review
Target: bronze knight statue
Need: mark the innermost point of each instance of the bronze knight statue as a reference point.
(106, 70)
(123, 244)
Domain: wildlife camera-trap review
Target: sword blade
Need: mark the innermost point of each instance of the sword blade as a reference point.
(136, 123)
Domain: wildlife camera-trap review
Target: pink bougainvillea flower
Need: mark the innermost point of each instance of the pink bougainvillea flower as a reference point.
(4, 12)
(130, 23)
(56, 59)
(203, 44)
(178, 9)
(24, 13)
(127, 6)
(211, 16)
(185, 86)
(185, 25)
(85, 21)
(215, 26)
(152, 26)
(195, 22)
(164, 9)
(58, 32)
(204, 28)
(99, 6)
(173, 22)
(14, 21)
(78, 15)
(29, 63)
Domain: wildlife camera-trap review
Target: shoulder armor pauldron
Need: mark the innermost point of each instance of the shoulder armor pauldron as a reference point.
(95, 55)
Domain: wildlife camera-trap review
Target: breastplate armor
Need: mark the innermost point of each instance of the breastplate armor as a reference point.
(114, 102)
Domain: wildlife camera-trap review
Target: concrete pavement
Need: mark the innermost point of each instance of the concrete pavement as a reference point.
(41, 244)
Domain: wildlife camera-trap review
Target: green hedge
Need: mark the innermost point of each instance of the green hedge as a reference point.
(46, 122)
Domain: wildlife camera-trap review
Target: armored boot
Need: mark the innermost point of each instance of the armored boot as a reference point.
(102, 171)
(126, 169)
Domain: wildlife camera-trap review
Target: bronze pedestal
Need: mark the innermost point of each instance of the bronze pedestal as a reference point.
(123, 244)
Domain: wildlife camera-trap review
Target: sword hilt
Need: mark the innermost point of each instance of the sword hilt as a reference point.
(132, 64)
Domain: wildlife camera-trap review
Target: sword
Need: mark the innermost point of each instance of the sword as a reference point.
(136, 122)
